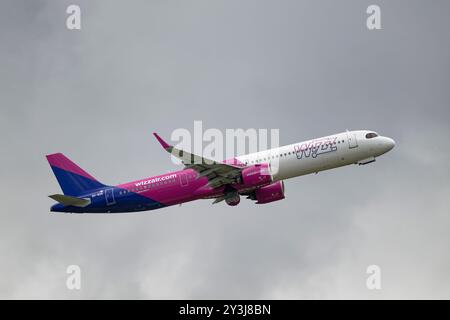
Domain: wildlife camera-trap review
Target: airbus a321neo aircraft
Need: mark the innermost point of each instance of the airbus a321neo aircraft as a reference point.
(249, 175)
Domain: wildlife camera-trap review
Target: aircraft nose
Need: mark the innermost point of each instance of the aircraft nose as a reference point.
(390, 143)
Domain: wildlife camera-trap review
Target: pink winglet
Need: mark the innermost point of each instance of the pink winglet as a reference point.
(161, 141)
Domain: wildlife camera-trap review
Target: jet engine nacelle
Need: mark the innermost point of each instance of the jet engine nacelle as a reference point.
(270, 193)
(256, 175)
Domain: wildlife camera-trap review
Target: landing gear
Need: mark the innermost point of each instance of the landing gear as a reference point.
(232, 197)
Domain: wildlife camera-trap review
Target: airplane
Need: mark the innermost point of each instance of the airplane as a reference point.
(250, 175)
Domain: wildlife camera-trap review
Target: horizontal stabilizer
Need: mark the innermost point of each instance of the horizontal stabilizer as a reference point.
(71, 201)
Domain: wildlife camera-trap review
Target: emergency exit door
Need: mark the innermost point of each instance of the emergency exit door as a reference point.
(352, 141)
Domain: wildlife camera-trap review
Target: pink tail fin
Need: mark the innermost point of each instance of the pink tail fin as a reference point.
(72, 179)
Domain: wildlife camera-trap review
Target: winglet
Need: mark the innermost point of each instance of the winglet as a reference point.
(161, 141)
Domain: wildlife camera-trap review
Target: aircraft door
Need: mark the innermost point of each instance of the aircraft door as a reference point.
(109, 197)
(352, 141)
(183, 179)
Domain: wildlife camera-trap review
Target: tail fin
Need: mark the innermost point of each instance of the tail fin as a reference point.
(72, 179)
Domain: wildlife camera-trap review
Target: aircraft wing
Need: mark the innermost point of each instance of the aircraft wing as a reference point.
(218, 173)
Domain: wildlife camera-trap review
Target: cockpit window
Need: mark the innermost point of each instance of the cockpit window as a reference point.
(371, 135)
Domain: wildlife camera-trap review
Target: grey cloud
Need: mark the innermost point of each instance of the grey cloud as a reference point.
(309, 68)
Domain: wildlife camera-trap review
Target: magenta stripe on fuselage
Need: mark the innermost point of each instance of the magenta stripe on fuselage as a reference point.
(172, 188)
(177, 187)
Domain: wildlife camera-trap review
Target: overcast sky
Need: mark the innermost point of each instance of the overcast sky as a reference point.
(308, 68)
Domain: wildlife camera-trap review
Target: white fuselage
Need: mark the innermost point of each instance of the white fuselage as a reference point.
(323, 153)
